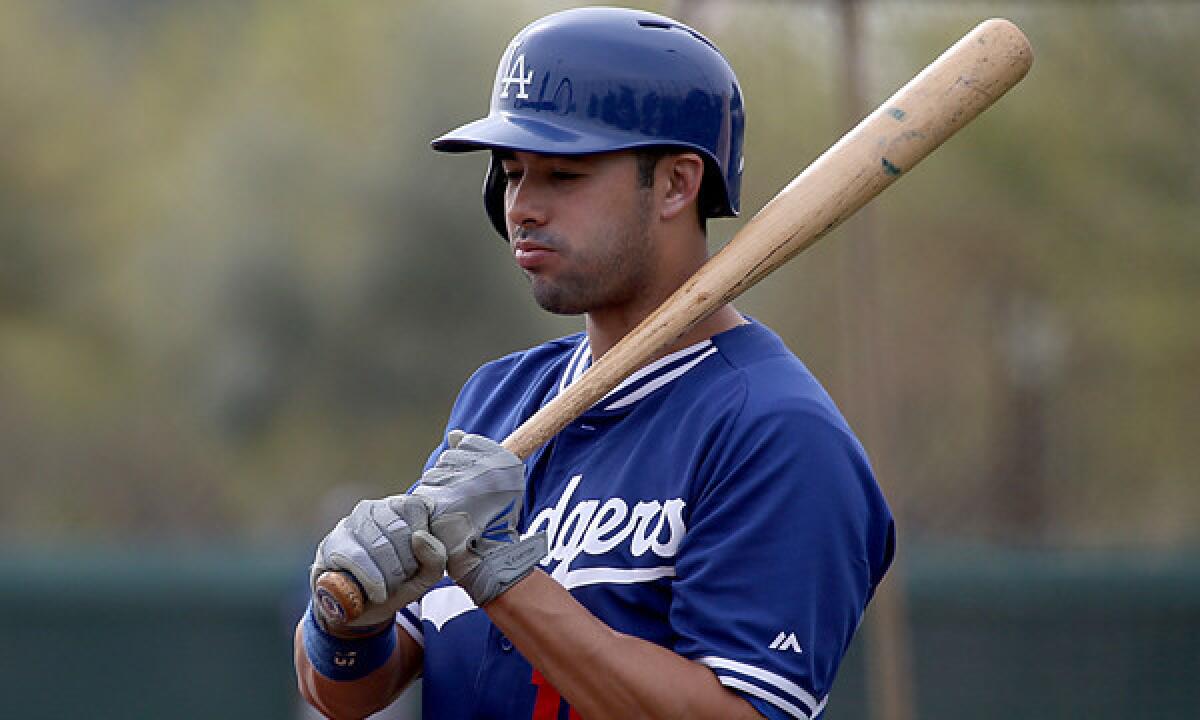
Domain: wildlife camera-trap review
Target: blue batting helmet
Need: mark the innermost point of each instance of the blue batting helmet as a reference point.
(594, 80)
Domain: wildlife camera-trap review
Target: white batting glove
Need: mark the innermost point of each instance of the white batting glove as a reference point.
(476, 488)
(386, 545)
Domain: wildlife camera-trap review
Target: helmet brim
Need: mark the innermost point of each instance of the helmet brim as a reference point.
(505, 131)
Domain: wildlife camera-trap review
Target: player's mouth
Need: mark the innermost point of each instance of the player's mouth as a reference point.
(531, 255)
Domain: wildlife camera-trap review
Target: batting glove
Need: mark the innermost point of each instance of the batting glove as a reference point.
(386, 545)
(476, 487)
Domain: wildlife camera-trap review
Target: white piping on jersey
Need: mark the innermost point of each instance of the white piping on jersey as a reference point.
(581, 360)
(756, 691)
(659, 382)
(413, 630)
(766, 676)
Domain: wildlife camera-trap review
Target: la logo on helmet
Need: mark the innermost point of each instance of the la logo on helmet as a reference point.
(516, 75)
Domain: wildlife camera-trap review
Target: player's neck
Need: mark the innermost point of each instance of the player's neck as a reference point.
(605, 329)
(682, 250)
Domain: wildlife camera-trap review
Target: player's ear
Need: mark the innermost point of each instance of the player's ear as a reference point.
(680, 175)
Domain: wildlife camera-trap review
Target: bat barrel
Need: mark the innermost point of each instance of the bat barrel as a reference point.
(949, 93)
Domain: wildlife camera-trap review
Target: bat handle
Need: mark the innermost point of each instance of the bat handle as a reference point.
(338, 597)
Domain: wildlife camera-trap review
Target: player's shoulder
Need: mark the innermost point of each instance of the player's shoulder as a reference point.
(780, 422)
(771, 384)
(531, 361)
(520, 378)
(504, 392)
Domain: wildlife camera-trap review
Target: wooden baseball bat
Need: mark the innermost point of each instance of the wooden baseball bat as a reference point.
(951, 92)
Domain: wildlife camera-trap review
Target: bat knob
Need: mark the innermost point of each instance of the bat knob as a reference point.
(338, 598)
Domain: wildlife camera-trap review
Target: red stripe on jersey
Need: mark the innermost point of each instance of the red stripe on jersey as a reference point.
(545, 706)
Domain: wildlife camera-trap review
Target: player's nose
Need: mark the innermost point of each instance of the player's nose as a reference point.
(525, 204)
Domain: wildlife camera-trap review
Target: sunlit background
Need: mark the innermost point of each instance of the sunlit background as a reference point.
(238, 292)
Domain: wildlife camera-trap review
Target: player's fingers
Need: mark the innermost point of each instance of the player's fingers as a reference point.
(453, 530)
(343, 550)
(431, 554)
(415, 509)
(484, 447)
(318, 566)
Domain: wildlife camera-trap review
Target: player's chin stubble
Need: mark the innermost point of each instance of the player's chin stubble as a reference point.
(613, 269)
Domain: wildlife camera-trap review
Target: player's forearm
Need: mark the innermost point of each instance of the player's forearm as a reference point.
(357, 698)
(602, 673)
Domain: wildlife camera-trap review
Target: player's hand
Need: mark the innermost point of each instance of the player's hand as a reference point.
(476, 489)
(386, 545)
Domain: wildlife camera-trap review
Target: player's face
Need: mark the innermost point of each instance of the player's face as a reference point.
(579, 228)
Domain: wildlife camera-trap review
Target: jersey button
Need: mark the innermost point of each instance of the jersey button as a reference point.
(505, 644)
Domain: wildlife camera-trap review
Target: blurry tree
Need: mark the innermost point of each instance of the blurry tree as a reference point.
(1064, 221)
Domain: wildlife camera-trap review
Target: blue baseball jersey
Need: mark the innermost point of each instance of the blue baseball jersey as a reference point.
(715, 503)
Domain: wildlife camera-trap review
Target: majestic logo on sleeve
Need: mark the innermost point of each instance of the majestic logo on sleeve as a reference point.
(598, 527)
(786, 641)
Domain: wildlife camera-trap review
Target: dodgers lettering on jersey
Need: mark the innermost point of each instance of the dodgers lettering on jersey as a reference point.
(595, 529)
(715, 504)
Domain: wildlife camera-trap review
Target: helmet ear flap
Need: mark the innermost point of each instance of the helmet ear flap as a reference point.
(494, 185)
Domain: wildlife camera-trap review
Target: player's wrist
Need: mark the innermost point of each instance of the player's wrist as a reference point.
(502, 567)
(350, 654)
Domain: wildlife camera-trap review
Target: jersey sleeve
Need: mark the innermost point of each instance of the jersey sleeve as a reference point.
(409, 618)
(787, 539)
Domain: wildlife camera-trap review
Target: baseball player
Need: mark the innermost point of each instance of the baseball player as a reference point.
(702, 542)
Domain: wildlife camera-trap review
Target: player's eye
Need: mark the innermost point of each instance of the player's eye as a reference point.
(512, 174)
(565, 175)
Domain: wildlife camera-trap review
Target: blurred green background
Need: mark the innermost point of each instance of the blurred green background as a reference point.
(238, 291)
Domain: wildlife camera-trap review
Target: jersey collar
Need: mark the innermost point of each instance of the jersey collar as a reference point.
(640, 384)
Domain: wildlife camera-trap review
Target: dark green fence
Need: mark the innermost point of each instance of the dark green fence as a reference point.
(163, 634)
(1047, 636)
(187, 634)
